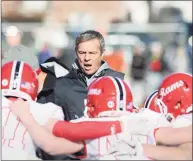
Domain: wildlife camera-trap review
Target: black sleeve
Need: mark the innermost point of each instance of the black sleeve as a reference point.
(47, 94)
(50, 93)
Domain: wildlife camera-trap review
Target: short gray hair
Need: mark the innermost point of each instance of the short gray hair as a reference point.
(89, 35)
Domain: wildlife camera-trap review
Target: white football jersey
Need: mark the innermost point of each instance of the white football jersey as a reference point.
(15, 136)
(182, 121)
(98, 148)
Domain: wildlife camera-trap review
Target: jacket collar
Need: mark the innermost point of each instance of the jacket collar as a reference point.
(101, 71)
(54, 67)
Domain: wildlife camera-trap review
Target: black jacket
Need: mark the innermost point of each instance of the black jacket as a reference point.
(69, 92)
(72, 90)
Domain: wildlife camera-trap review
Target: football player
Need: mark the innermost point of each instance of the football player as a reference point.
(20, 84)
(20, 81)
(108, 99)
(174, 100)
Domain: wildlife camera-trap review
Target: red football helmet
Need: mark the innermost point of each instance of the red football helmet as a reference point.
(151, 103)
(108, 96)
(19, 80)
(175, 95)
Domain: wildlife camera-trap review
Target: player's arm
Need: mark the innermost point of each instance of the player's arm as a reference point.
(47, 141)
(83, 130)
(173, 136)
(156, 152)
(40, 135)
(87, 129)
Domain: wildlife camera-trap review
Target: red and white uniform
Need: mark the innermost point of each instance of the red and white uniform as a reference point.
(98, 148)
(15, 138)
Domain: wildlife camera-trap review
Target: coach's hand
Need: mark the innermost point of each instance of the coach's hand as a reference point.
(20, 108)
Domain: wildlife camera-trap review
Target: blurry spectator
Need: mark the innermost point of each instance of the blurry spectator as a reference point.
(17, 51)
(13, 36)
(170, 14)
(181, 58)
(138, 66)
(157, 62)
(52, 33)
(67, 56)
(175, 54)
(21, 53)
(128, 17)
(116, 21)
(138, 71)
(70, 90)
(57, 53)
(44, 54)
(158, 67)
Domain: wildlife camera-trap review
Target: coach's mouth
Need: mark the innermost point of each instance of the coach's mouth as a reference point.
(87, 67)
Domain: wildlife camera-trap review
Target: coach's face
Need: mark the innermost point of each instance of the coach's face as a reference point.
(89, 56)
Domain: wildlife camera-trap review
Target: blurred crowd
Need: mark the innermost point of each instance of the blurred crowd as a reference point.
(145, 49)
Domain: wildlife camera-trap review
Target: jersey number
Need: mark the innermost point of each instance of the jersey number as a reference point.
(13, 132)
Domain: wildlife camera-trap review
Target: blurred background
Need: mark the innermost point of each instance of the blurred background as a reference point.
(147, 40)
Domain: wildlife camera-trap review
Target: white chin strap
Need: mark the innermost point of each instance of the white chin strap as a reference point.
(164, 110)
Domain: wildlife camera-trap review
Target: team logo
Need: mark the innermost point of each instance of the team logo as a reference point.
(4, 82)
(110, 104)
(94, 91)
(169, 89)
